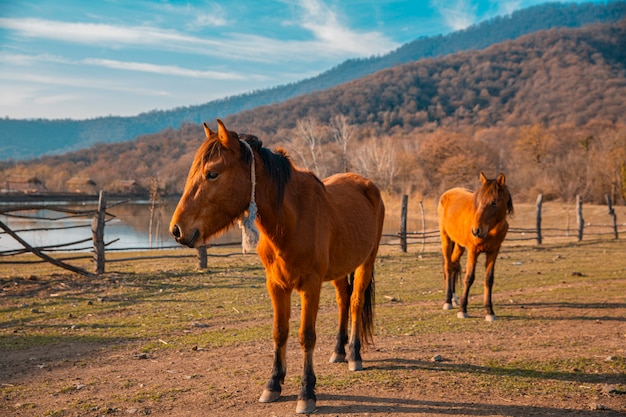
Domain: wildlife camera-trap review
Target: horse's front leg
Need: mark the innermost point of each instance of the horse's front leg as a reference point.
(281, 303)
(310, 297)
(468, 281)
(342, 293)
(489, 277)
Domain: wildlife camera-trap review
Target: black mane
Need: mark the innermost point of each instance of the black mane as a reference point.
(276, 164)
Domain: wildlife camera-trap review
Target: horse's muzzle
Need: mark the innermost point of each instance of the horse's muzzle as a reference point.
(479, 233)
(178, 235)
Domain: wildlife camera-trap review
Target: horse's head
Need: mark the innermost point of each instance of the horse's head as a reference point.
(218, 188)
(492, 202)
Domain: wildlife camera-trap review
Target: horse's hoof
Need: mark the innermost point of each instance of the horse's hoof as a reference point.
(306, 407)
(269, 396)
(355, 365)
(447, 306)
(337, 357)
(462, 315)
(491, 317)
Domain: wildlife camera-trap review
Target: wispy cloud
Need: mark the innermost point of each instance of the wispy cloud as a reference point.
(58, 80)
(457, 14)
(198, 18)
(506, 7)
(97, 33)
(329, 38)
(26, 60)
(168, 70)
(329, 33)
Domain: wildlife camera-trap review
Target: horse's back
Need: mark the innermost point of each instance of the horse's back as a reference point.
(342, 185)
(454, 211)
(352, 192)
(356, 214)
(455, 201)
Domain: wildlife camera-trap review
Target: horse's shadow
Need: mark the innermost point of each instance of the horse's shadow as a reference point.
(393, 364)
(573, 306)
(357, 404)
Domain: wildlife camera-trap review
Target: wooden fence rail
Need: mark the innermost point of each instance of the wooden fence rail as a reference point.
(100, 217)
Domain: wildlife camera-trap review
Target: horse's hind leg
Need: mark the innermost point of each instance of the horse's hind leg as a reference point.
(342, 293)
(456, 271)
(451, 269)
(361, 313)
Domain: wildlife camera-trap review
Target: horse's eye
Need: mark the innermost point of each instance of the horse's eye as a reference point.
(494, 203)
(211, 175)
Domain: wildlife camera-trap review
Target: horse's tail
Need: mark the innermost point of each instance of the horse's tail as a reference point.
(366, 322)
(367, 315)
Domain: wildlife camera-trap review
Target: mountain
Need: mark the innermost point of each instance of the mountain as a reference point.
(25, 139)
(549, 77)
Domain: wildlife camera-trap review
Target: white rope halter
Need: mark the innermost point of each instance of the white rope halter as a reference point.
(249, 231)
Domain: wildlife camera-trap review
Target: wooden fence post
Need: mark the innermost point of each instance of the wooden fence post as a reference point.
(405, 204)
(538, 222)
(202, 257)
(97, 231)
(579, 216)
(612, 214)
(423, 226)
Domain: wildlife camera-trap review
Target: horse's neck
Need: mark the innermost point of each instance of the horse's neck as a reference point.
(278, 220)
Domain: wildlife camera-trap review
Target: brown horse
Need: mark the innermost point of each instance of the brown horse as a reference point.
(476, 222)
(310, 231)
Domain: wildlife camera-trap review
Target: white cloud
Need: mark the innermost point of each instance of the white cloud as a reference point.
(507, 7)
(331, 35)
(168, 70)
(57, 80)
(27, 60)
(330, 39)
(97, 33)
(457, 14)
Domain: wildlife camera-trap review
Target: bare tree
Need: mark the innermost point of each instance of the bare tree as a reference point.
(308, 129)
(341, 133)
(376, 158)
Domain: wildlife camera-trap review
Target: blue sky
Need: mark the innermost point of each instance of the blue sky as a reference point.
(81, 59)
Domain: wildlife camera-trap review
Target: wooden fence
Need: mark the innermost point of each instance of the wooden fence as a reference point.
(100, 217)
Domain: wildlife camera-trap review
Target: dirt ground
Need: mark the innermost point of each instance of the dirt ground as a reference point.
(545, 356)
(119, 380)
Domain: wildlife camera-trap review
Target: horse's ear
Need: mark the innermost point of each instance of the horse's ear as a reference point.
(225, 137)
(500, 180)
(207, 131)
(483, 178)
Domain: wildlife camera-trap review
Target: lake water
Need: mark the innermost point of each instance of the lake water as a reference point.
(129, 229)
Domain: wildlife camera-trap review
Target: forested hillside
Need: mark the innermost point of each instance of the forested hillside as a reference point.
(547, 109)
(23, 139)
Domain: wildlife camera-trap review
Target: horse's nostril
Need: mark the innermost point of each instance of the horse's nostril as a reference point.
(176, 231)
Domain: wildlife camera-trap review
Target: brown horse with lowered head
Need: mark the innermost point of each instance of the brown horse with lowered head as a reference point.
(476, 222)
(310, 231)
